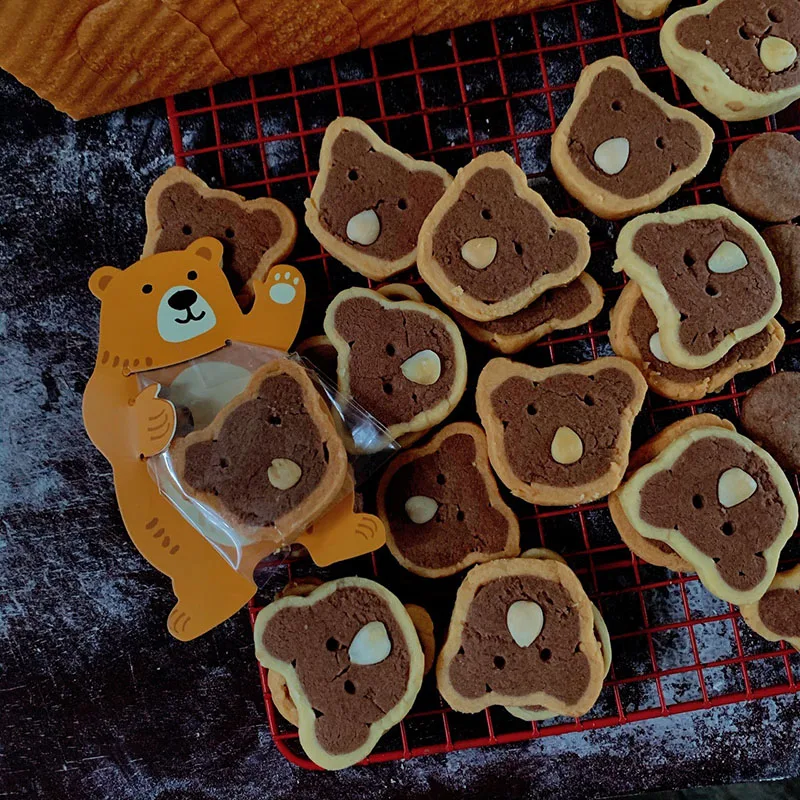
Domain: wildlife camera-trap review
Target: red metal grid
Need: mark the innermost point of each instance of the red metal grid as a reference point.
(448, 97)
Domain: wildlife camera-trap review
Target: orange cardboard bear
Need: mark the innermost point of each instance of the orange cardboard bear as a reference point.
(161, 311)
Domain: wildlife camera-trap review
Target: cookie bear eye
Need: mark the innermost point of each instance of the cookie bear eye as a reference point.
(191, 275)
(147, 288)
(187, 230)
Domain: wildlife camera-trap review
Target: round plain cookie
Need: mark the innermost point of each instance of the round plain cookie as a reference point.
(771, 416)
(762, 177)
(784, 243)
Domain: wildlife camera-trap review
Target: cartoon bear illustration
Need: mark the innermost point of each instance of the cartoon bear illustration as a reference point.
(162, 311)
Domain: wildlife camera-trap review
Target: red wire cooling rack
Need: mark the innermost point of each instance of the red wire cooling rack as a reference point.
(502, 85)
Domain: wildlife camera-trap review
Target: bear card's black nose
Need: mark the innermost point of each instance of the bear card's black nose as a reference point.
(183, 299)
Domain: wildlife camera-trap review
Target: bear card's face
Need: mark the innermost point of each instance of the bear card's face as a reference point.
(166, 308)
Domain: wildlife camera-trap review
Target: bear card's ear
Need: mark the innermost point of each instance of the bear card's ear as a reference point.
(101, 277)
(206, 248)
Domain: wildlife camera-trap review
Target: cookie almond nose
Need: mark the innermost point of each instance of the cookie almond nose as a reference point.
(183, 299)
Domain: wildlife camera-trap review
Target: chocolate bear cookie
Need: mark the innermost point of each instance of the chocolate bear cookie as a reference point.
(708, 276)
(771, 416)
(557, 309)
(634, 336)
(271, 461)
(784, 243)
(621, 149)
(441, 507)
(776, 616)
(352, 661)
(521, 634)
(560, 435)
(492, 245)
(402, 361)
(738, 57)
(256, 234)
(652, 551)
(721, 503)
(279, 689)
(762, 177)
(538, 713)
(369, 200)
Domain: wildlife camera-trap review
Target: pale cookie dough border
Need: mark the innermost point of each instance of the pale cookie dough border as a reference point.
(547, 570)
(454, 295)
(425, 419)
(709, 83)
(637, 544)
(623, 345)
(510, 343)
(667, 314)
(495, 501)
(751, 615)
(293, 523)
(704, 565)
(377, 269)
(400, 291)
(600, 630)
(497, 371)
(643, 9)
(602, 202)
(305, 713)
(176, 175)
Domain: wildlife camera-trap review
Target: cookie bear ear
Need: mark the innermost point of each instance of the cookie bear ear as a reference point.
(100, 279)
(207, 248)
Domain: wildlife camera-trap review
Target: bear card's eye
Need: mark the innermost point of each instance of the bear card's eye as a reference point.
(191, 275)
(187, 230)
(147, 288)
(230, 233)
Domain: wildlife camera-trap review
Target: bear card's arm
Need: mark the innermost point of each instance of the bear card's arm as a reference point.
(107, 412)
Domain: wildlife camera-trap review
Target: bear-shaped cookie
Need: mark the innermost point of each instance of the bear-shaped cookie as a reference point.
(776, 615)
(559, 435)
(721, 503)
(369, 199)
(256, 234)
(401, 360)
(352, 661)
(521, 635)
(441, 507)
(492, 245)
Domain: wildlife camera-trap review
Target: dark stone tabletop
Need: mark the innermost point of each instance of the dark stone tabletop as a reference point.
(96, 699)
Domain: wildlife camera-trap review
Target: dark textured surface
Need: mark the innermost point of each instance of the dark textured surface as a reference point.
(96, 699)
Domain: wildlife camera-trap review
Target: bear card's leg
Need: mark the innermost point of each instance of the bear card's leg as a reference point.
(208, 588)
(277, 310)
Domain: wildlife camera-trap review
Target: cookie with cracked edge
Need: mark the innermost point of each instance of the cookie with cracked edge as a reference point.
(634, 336)
(621, 149)
(721, 503)
(402, 361)
(707, 275)
(256, 234)
(521, 634)
(558, 309)
(352, 661)
(660, 554)
(776, 615)
(560, 435)
(537, 713)
(492, 245)
(271, 461)
(738, 57)
(369, 200)
(770, 414)
(441, 507)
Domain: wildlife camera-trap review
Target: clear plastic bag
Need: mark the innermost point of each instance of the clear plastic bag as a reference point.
(204, 392)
